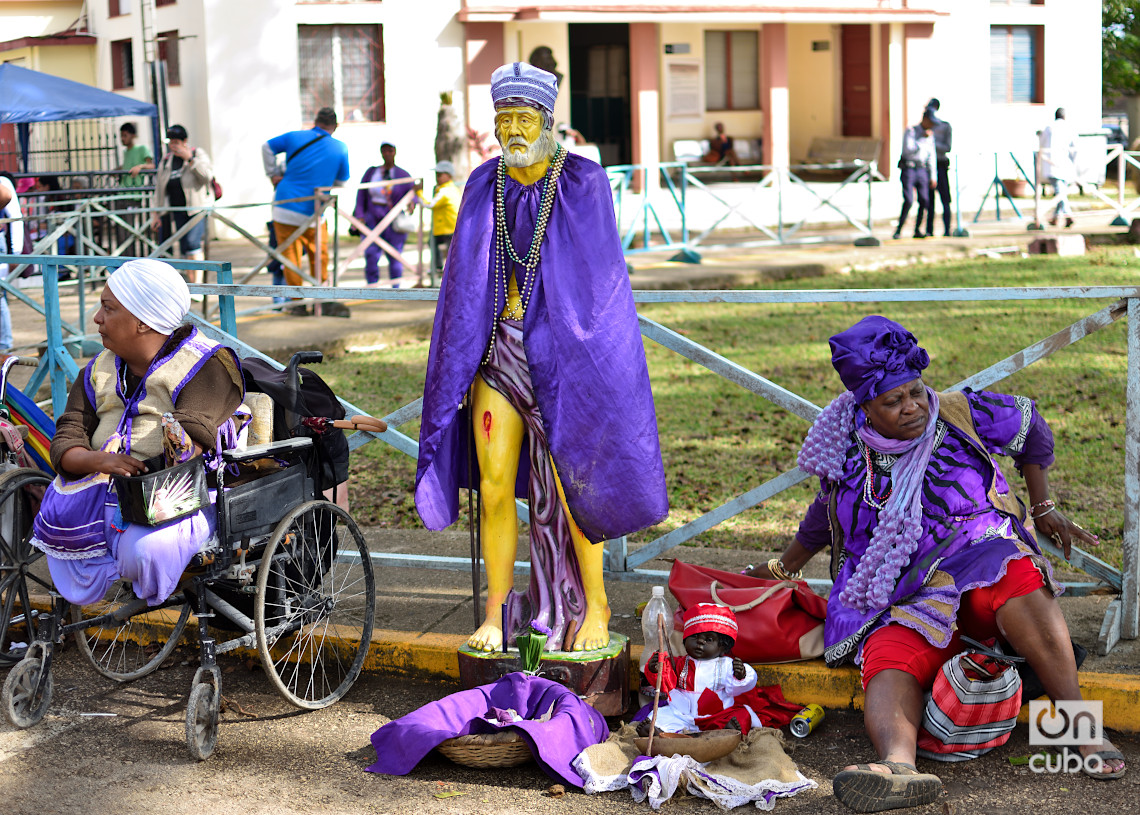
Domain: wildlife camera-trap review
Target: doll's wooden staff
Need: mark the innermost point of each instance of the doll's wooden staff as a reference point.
(657, 684)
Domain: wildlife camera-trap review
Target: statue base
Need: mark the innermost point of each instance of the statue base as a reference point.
(600, 677)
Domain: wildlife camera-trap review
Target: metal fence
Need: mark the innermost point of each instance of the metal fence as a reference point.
(1122, 619)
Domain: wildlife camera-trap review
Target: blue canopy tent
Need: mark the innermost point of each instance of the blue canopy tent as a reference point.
(30, 96)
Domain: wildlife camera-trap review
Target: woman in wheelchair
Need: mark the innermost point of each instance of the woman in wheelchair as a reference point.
(157, 380)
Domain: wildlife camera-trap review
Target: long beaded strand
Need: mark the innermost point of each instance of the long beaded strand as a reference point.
(870, 495)
(504, 246)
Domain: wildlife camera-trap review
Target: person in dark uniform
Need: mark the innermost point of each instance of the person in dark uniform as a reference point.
(943, 141)
(917, 176)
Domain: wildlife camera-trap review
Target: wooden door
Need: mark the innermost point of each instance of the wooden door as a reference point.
(855, 48)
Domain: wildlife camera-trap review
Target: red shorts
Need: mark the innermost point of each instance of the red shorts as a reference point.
(896, 647)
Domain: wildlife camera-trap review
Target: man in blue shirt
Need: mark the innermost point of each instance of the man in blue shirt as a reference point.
(313, 159)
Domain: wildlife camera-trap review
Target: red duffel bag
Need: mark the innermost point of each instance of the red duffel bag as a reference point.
(779, 620)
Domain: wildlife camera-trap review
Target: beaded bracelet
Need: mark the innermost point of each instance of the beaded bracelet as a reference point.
(1041, 504)
(780, 573)
(1042, 514)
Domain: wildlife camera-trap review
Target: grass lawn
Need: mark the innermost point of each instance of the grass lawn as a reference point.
(719, 440)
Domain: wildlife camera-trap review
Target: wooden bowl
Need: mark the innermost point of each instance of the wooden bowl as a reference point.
(702, 747)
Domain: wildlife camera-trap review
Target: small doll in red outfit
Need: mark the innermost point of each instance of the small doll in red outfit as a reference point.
(707, 689)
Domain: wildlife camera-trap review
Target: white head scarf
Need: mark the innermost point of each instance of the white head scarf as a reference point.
(152, 291)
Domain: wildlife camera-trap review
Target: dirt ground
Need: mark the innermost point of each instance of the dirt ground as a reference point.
(107, 748)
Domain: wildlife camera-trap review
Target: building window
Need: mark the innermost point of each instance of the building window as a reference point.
(342, 67)
(122, 65)
(1017, 2)
(165, 2)
(732, 70)
(1016, 64)
(117, 8)
(168, 52)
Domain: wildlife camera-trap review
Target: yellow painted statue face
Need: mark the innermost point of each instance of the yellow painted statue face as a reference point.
(517, 128)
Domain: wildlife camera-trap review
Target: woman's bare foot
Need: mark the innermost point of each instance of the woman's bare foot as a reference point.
(1109, 766)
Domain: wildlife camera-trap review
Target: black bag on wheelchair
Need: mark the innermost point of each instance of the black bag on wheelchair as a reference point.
(297, 397)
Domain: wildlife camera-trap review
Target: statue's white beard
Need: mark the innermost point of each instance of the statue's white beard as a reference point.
(540, 149)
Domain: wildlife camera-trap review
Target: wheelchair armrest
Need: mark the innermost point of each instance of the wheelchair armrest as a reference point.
(273, 448)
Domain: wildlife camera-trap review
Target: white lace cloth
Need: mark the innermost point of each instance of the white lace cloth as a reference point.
(657, 779)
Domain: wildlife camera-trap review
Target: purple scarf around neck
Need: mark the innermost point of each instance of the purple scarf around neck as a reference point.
(896, 536)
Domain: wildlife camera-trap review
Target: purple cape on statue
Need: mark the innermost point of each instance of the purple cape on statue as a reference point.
(571, 728)
(583, 346)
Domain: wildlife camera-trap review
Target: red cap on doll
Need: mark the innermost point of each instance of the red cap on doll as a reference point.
(709, 617)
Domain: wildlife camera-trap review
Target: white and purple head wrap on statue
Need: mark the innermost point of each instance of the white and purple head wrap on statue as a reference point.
(152, 291)
(872, 357)
(521, 84)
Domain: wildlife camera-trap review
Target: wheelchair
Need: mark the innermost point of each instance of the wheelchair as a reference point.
(287, 574)
(23, 574)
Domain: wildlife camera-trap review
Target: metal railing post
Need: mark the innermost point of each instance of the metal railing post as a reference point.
(1119, 220)
(1130, 544)
(1035, 225)
(227, 314)
(869, 239)
(959, 230)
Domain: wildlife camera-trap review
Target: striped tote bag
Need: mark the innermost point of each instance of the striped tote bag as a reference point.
(972, 707)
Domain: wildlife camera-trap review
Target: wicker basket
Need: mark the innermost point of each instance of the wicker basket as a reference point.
(502, 749)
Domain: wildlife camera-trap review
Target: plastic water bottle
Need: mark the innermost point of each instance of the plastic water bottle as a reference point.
(657, 607)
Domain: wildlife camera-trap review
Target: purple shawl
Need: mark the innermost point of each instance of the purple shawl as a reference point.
(571, 727)
(583, 346)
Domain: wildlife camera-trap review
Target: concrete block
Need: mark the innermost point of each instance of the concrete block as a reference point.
(1061, 245)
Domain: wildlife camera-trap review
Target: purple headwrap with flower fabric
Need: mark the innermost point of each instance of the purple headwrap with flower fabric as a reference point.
(875, 355)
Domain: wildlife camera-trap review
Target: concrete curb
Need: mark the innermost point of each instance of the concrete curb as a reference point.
(434, 656)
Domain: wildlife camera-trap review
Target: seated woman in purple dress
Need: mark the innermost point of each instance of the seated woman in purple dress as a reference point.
(152, 365)
(927, 545)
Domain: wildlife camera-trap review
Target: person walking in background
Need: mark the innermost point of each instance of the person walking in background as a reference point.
(313, 160)
(373, 204)
(136, 157)
(182, 179)
(444, 207)
(11, 241)
(917, 176)
(1058, 155)
(943, 143)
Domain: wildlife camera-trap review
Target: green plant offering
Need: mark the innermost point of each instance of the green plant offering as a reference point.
(530, 646)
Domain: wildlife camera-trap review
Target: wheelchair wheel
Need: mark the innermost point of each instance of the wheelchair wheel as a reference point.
(202, 721)
(315, 601)
(21, 563)
(135, 647)
(24, 705)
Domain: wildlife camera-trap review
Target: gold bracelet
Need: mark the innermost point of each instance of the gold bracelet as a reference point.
(780, 573)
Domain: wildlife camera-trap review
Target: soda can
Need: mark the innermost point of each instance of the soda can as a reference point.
(806, 721)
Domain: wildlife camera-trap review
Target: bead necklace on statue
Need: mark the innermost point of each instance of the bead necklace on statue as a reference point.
(505, 248)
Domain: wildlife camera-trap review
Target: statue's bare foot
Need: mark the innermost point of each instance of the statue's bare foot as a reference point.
(488, 638)
(595, 630)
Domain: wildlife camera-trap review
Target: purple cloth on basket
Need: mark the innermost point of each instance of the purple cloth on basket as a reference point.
(964, 535)
(583, 346)
(572, 727)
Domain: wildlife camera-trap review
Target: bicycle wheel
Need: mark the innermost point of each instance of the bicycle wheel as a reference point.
(314, 607)
(134, 647)
(23, 574)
